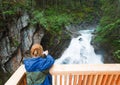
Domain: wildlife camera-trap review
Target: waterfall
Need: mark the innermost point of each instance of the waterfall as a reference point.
(80, 51)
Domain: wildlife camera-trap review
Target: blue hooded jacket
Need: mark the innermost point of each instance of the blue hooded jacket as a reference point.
(38, 70)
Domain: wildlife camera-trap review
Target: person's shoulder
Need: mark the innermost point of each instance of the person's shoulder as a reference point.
(27, 58)
(50, 57)
(31, 59)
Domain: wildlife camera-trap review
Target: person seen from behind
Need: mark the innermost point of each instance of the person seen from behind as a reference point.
(38, 66)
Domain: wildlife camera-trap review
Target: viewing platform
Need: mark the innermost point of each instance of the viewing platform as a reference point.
(75, 74)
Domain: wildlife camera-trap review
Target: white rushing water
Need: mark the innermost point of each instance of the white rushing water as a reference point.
(80, 51)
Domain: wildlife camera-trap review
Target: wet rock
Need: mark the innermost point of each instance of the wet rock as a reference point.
(104, 51)
(80, 39)
(14, 62)
(11, 41)
(5, 50)
(27, 39)
(38, 35)
(16, 27)
(22, 21)
(73, 31)
(1, 34)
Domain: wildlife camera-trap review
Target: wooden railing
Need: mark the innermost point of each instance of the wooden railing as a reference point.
(18, 78)
(88, 74)
(103, 74)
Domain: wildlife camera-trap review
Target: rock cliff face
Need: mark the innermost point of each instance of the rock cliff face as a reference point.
(16, 41)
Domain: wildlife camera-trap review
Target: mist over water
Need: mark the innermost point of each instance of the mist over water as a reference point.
(80, 51)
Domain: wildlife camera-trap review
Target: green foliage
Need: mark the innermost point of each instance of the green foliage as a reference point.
(108, 30)
(53, 16)
(51, 20)
(117, 54)
(9, 12)
(109, 34)
(0, 81)
(61, 11)
(12, 10)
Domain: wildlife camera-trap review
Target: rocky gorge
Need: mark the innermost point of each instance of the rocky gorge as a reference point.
(16, 41)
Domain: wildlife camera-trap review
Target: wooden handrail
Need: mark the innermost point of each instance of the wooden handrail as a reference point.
(88, 74)
(78, 69)
(84, 74)
(18, 78)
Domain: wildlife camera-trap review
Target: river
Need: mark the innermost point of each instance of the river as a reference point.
(80, 50)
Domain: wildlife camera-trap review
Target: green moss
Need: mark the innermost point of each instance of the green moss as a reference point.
(0, 82)
(14, 42)
(3, 76)
(117, 55)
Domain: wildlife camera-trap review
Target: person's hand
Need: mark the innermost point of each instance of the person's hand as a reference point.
(45, 52)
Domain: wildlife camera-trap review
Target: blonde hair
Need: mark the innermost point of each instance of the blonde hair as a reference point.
(37, 50)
